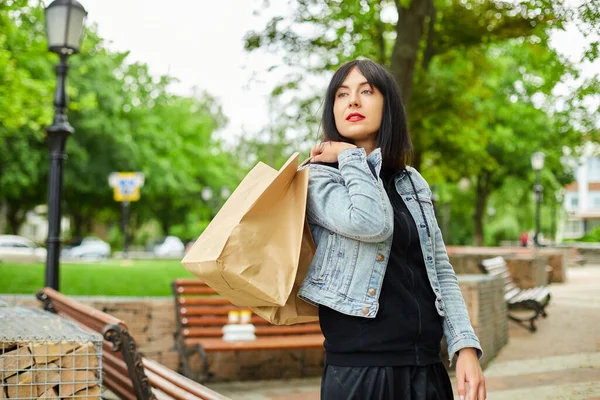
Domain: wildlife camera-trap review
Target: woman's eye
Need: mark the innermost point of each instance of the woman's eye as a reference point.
(367, 91)
(342, 94)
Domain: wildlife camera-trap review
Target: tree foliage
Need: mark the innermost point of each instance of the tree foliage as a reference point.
(478, 77)
(125, 119)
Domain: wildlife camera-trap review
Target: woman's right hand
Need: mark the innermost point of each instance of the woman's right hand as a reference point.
(328, 151)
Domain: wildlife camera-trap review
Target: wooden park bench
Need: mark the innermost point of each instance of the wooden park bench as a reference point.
(201, 314)
(534, 299)
(125, 372)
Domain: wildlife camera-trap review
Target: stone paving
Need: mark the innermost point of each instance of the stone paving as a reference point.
(560, 361)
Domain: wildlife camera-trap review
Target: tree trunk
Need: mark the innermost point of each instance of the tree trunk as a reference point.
(480, 203)
(15, 217)
(429, 48)
(165, 225)
(379, 39)
(416, 158)
(77, 224)
(89, 225)
(409, 32)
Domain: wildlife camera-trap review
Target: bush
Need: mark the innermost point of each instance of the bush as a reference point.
(591, 237)
(504, 227)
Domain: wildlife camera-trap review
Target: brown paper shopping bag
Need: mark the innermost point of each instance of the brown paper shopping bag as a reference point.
(295, 311)
(250, 252)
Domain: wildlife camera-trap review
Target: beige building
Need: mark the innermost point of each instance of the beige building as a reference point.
(582, 197)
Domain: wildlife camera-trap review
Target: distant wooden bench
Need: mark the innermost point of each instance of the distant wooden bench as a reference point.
(125, 372)
(201, 314)
(534, 299)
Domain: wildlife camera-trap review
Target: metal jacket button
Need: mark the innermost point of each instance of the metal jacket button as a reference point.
(380, 257)
(371, 291)
(365, 310)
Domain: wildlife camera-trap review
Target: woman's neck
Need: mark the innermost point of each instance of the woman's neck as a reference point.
(368, 145)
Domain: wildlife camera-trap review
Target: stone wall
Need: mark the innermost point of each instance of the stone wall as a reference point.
(527, 271)
(484, 298)
(466, 260)
(151, 322)
(558, 261)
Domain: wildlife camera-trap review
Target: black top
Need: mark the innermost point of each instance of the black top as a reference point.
(407, 329)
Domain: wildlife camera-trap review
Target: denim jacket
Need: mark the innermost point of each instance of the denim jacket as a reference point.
(351, 220)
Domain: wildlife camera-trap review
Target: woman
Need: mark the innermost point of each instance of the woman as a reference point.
(380, 276)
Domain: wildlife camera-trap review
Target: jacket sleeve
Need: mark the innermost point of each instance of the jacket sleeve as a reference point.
(355, 205)
(458, 330)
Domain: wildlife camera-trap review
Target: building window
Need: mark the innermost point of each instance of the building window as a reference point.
(594, 169)
(574, 202)
(574, 228)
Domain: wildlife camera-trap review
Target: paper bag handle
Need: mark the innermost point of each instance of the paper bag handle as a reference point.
(303, 163)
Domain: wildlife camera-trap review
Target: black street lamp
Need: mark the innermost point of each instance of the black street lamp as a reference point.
(64, 26)
(537, 163)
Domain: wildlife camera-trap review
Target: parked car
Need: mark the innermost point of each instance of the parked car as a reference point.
(168, 246)
(189, 243)
(18, 248)
(87, 248)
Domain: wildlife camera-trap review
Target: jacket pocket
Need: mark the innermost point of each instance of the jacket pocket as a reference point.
(323, 261)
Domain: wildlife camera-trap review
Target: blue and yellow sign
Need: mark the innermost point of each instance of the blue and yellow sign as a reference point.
(126, 185)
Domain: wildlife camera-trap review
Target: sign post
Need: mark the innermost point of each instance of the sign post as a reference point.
(126, 186)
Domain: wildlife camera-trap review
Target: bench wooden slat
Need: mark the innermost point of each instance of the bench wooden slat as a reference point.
(83, 309)
(208, 310)
(186, 290)
(202, 300)
(189, 282)
(167, 387)
(261, 343)
(217, 320)
(260, 331)
(116, 377)
(180, 381)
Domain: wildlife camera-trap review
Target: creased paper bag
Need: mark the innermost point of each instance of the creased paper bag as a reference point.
(295, 311)
(250, 252)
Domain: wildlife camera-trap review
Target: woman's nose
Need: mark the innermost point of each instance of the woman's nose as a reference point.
(353, 101)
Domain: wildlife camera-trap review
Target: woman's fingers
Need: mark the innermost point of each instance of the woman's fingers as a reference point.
(317, 149)
(476, 388)
(460, 380)
(482, 391)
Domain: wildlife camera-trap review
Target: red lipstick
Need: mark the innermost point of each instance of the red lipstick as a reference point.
(355, 117)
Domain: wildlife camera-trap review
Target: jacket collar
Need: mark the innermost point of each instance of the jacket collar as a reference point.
(375, 160)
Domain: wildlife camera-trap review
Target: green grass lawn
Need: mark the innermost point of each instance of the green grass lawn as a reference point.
(110, 278)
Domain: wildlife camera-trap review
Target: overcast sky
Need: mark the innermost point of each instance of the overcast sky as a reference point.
(200, 42)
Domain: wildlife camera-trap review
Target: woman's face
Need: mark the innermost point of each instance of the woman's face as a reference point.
(357, 109)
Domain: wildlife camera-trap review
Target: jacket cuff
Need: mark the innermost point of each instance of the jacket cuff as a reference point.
(461, 342)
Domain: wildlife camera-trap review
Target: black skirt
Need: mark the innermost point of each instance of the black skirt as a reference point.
(430, 382)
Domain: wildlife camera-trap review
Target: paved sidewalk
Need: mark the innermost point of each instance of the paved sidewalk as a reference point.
(560, 361)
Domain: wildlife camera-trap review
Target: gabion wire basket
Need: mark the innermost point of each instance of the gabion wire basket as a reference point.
(44, 356)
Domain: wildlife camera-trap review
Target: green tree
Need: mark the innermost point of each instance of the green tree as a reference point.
(25, 74)
(124, 120)
(482, 73)
(406, 35)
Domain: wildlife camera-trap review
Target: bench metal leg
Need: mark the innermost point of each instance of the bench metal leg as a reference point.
(41, 296)
(122, 341)
(185, 367)
(527, 323)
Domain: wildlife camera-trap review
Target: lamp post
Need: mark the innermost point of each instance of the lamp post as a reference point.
(537, 163)
(64, 26)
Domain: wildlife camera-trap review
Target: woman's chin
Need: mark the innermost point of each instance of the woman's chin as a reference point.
(357, 136)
